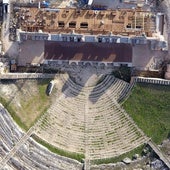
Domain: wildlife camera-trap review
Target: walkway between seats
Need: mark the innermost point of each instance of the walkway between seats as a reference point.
(159, 153)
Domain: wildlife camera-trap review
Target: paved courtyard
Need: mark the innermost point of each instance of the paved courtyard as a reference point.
(144, 58)
(31, 52)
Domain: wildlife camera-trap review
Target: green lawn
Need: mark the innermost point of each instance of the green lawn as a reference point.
(149, 106)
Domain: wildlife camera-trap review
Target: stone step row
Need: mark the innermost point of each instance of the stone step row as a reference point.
(106, 81)
(9, 132)
(30, 155)
(123, 134)
(151, 80)
(113, 153)
(82, 125)
(119, 88)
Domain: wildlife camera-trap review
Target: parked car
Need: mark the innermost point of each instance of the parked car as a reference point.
(49, 87)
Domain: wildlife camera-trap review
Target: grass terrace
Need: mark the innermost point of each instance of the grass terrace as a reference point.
(149, 106)
(76, 156)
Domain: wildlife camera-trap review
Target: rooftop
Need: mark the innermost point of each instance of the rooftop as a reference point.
(119, 22)
(81, 51)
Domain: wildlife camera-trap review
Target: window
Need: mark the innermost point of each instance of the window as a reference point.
(64, 38)
(61, 24)
(138, 27)
(78, 12)
(79, 39)
(128, 26)
(84, 25)
(72, 25)
(99, 39)
(72, 39)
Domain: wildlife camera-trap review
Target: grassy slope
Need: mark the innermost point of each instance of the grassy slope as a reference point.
(37, 105)
(12, 113)
(31, 109)
(149, 106)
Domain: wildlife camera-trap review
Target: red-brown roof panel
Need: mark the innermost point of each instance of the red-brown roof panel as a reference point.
(88, 51)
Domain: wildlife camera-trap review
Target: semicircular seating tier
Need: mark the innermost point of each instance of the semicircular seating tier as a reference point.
(30, 155)
(90, 121)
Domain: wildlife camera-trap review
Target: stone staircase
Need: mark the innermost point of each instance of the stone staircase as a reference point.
(16, 152)
(90, 121)
(82, 119)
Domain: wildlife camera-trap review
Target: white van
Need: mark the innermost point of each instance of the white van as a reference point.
(50, 87)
